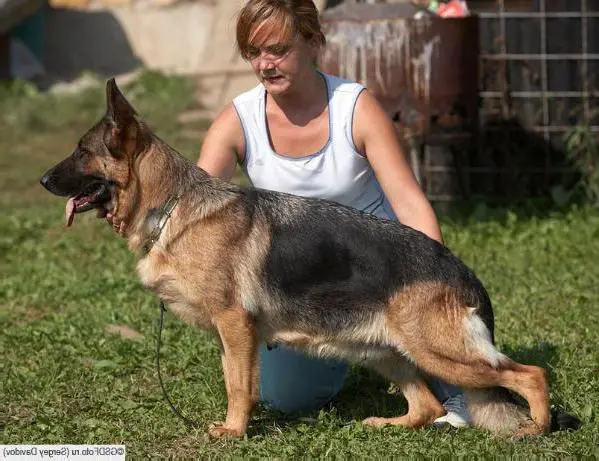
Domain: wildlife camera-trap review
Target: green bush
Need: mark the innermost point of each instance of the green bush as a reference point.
(583, 150)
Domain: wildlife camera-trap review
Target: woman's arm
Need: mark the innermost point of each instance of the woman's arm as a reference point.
(223, 145)
(375, 136)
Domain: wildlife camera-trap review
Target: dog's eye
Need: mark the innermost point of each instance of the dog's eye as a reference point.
(82, 156)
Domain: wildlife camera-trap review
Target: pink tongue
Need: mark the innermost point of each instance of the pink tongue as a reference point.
(70, 211)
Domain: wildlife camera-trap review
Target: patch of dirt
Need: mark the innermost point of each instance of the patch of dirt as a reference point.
(22, 315)
(124, 331)
(196, 116)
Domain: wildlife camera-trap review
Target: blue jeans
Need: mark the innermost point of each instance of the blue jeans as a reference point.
(293, 382)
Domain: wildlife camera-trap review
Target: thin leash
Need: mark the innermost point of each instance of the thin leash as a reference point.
(167, 209)
(188, 422)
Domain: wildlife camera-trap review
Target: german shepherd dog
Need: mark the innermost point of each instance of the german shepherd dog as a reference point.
(256, 266)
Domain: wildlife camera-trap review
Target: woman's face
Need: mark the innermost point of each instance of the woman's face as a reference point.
(280, 63)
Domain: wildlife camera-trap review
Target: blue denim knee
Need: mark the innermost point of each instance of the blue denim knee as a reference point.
(293, 382)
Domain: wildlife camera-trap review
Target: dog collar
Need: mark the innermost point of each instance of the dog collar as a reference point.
(165, 214)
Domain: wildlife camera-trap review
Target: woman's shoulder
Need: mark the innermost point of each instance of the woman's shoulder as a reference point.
(343, 85)
(250, 96)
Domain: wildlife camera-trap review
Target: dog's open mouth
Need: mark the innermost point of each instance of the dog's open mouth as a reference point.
(96, 195)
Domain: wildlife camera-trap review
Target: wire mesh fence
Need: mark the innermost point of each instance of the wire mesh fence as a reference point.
(539, 80)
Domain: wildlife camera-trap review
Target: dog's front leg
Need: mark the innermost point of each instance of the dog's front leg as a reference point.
(239, 354)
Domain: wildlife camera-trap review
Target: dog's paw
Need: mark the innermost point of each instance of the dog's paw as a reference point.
(529, 431)
(374, 421)
(218, 429)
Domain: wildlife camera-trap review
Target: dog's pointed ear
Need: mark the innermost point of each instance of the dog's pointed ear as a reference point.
(124, 132)
(117, 106)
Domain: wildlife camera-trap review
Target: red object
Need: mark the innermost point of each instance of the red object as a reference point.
(453, 9)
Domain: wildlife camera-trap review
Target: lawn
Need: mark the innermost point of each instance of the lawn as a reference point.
(78, 342)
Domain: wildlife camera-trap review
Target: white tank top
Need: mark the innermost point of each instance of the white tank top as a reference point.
(336, 172)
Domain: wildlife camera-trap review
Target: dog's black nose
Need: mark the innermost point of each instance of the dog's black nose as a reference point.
(45, 180)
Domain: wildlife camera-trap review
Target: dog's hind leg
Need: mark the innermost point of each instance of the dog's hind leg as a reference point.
(449, 340)
(239, 355)
(528, 381)
(423, 407)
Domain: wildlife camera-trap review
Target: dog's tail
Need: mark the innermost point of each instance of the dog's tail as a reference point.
(496, 410)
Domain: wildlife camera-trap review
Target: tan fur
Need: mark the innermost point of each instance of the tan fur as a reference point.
(248, 263)
(197, 274)
(197, 269)
(239, 355)
(496, 410)
(426, 313)
(363, 343)
(428, 321)
(423, 407)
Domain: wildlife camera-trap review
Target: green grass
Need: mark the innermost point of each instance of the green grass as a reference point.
(65, 379)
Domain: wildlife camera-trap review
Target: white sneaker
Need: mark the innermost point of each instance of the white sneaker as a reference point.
(457, 413)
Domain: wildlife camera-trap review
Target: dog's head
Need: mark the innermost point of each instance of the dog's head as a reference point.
(101, 165)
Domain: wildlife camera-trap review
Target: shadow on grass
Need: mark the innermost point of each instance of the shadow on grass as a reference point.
(511, 169)
(364, 394)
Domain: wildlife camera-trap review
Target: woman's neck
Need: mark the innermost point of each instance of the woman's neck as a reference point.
(307, 92)
(308, 96)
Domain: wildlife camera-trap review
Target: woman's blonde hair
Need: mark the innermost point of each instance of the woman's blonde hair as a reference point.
(291, 16)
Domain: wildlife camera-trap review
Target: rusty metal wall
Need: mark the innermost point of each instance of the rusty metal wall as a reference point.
(537, 78)
(423, 71)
